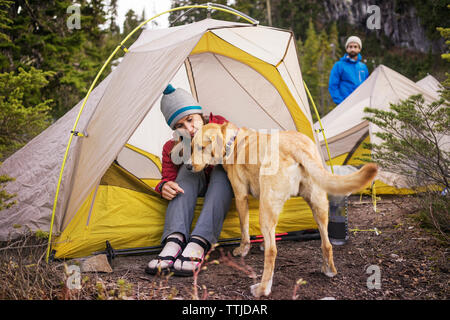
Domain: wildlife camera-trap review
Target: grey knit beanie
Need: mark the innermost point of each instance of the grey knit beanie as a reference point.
(176, 104)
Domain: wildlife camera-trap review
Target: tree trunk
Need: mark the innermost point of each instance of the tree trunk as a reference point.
(269, 12)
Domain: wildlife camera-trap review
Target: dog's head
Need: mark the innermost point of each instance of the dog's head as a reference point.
(207, 146)
(212, 144)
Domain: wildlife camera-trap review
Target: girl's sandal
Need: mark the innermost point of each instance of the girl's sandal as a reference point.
(190, 273)
(166, 270)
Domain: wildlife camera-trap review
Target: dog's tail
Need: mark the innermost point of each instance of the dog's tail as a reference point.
(335, 184)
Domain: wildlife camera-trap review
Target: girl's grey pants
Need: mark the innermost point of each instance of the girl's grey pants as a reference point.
(180, 211)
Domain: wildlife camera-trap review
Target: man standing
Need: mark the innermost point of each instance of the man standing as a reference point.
(349, 72)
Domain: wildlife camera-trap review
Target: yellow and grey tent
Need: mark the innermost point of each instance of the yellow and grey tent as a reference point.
(247, 73)
(346, 131)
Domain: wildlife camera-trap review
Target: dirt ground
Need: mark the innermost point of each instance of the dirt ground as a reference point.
(412, 264)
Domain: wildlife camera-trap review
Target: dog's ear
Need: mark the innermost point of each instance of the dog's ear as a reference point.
(216, 139)
(212, 141)
(223, 129)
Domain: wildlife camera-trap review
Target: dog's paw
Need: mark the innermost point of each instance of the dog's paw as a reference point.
(258, 291)
(242, 250)
(329, 272)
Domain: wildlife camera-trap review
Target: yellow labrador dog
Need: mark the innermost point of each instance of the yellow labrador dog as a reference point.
(273, 167)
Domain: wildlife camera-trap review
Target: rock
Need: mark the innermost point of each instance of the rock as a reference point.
(397, 257)
(97, 263)
(402, 27)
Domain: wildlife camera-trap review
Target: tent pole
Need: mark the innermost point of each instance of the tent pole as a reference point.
(209, 6)
(320, 122)
(67, 151)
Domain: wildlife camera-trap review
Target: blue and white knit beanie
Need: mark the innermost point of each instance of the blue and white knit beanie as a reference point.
(176, 104)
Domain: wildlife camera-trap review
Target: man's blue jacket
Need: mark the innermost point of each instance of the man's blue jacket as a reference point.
(346, 75)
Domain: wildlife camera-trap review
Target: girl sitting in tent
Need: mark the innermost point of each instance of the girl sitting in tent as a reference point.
(183, 252)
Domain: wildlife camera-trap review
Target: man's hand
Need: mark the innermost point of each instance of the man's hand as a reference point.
(170, 190)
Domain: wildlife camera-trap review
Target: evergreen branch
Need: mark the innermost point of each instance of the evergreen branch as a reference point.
(438, 151)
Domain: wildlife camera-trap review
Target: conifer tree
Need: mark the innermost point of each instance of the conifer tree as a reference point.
(5, 22)
(336, 53)
(333, 55)
(40, 38)
(113, 27)
(445, 33)
(22, 112)
(199, 14)
(325, 63)
(317, 57)
(412, 136)
(131, 21)
(5, 197)
(257, 10)
(309, 62)
(414, 144)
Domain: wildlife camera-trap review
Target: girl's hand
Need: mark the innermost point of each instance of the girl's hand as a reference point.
(170, 190)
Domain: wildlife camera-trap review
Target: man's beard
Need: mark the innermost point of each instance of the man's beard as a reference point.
(352, 54)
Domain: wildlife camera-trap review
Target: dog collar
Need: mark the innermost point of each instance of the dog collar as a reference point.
(230, 143)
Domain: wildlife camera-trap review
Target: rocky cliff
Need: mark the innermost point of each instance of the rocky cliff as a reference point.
(398, 20)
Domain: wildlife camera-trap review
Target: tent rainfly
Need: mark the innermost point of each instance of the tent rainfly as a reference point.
(247, 73)
(430, 83)
(346, 130)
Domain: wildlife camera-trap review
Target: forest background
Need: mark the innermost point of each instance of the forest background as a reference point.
(47, 67)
